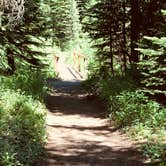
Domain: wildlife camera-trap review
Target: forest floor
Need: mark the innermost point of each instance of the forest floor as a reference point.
(79, 134)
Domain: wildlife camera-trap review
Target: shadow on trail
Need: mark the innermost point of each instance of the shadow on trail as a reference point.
(68, 97)
(91, 153)
(70, 106)
(78, 135)
(65, 86)
(96, 155)
(82, 128)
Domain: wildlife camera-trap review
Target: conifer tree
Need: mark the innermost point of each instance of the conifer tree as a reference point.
(153, 65)
(65, 22)
(62, 22)
(121, 25)
(108, 28)
(16, 42)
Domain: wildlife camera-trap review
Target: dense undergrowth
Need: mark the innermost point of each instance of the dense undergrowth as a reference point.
(132, 111)
(22, 117)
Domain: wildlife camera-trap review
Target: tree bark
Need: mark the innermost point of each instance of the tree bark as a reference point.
(11, 62)
(124, 37)
(135, 30)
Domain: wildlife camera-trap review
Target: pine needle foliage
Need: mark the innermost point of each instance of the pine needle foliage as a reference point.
(16, 43)
(153, 67)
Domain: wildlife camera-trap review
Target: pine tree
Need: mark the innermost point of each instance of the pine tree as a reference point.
(16, 42)
(65, 22)
(153, 66)
(76, 26)
(62, 22)
(83, 6)
(107, 28)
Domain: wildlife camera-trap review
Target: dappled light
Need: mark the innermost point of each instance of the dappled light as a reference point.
(82, 83)
(79, 134)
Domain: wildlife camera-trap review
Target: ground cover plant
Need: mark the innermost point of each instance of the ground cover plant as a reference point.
(22, 118)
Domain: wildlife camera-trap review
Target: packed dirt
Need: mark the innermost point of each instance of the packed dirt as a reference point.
(80, 134)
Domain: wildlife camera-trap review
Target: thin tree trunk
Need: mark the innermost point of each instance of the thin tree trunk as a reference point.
(112, 59)
(11, 62)
(111, 52)
(124, 37)
(135, 30)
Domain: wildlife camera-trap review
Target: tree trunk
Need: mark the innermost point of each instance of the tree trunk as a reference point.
(112, 58)
(135, 30)
(124, 37)
(11, 62)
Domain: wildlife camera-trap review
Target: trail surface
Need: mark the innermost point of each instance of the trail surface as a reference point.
(79, 133)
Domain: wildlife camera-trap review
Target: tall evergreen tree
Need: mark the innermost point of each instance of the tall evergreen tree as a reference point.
(153, 64)
(65, 23)
(123, 24)
(62, 22)
(17, 42)
(108, 29)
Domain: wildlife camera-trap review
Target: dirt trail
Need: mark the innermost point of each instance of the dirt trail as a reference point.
(80, 135)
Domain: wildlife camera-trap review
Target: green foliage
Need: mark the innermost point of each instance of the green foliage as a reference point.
(131, 108)
(152, 66)
(65, 24)
(99, 26)
(155, 151)
(62, 22)
(109, 87)
(9, 159)
(163, 163)
(29, 81)
(49, 71)
(142, 119)
(115, 26)
(22, 117)
(22, 129)
(17, 43)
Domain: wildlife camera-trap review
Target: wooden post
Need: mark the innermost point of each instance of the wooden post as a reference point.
(77, 58)
(56, 60)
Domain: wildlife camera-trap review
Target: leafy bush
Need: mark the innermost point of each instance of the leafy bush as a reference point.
(109, 87)
(49, 71)
(143, 119)
(155, 151)
(29, 81)
(130, 108)
(114, 86)
(22, 129)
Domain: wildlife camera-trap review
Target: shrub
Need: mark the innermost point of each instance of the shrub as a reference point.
(130, 108)
(109, 87)
(31, 82)
(114, 86)
(143, 119)
(22, 130)
(154, 150)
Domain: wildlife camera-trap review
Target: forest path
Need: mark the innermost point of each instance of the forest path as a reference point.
(80, 135)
